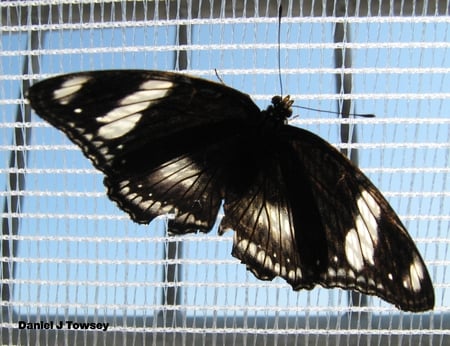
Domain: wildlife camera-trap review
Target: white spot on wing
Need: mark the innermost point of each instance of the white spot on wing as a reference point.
(341, 273)
(179, 172)
(360, 242)
(406, 283)
(156, 84)
(285, 222)
(350, 275)
(124, 183)
(266, 261)
(137, 200)
(276, 268)
(145, 205)
(353, 250)
(121, 120)
(121, 113)
(291, 274)
(331, 273)
(108, 157)
(252, 249)
(371, 203)
(365, 240)
(119, 128)
(243, 244)
(361, 280)
(69, 88)
(125, 190)
(144, 95)
(189, 218)
(416, 274)
(369, 211)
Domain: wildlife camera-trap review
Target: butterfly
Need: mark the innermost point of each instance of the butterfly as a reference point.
(172, 143)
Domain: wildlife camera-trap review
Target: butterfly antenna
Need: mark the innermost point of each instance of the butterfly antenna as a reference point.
(218, 77)
(363, 115)
(280, 9)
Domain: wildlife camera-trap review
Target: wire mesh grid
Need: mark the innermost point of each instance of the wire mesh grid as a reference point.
(71, 258)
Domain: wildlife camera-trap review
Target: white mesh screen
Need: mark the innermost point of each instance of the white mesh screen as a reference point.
(69, 254)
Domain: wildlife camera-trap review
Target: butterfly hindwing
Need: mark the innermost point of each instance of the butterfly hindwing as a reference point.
(261, 217)
(181, 187)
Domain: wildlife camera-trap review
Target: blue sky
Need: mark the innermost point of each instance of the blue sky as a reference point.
(80, 259)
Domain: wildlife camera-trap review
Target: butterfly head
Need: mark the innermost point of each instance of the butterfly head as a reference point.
(280, 109)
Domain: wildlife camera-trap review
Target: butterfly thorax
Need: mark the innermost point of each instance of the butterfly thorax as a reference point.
(280, 109)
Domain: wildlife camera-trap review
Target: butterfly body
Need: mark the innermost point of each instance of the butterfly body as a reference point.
(170, 143)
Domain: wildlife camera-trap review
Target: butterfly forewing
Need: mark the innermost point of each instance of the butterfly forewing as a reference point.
(144, 129)
(368, 248)
(130, 115)
(170, 143)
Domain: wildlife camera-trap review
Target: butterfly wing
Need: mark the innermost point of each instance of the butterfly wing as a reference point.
(154, 134)
(311, 217)
(169, 143)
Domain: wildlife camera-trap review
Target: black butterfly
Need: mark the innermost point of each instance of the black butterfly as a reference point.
(170, 143)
